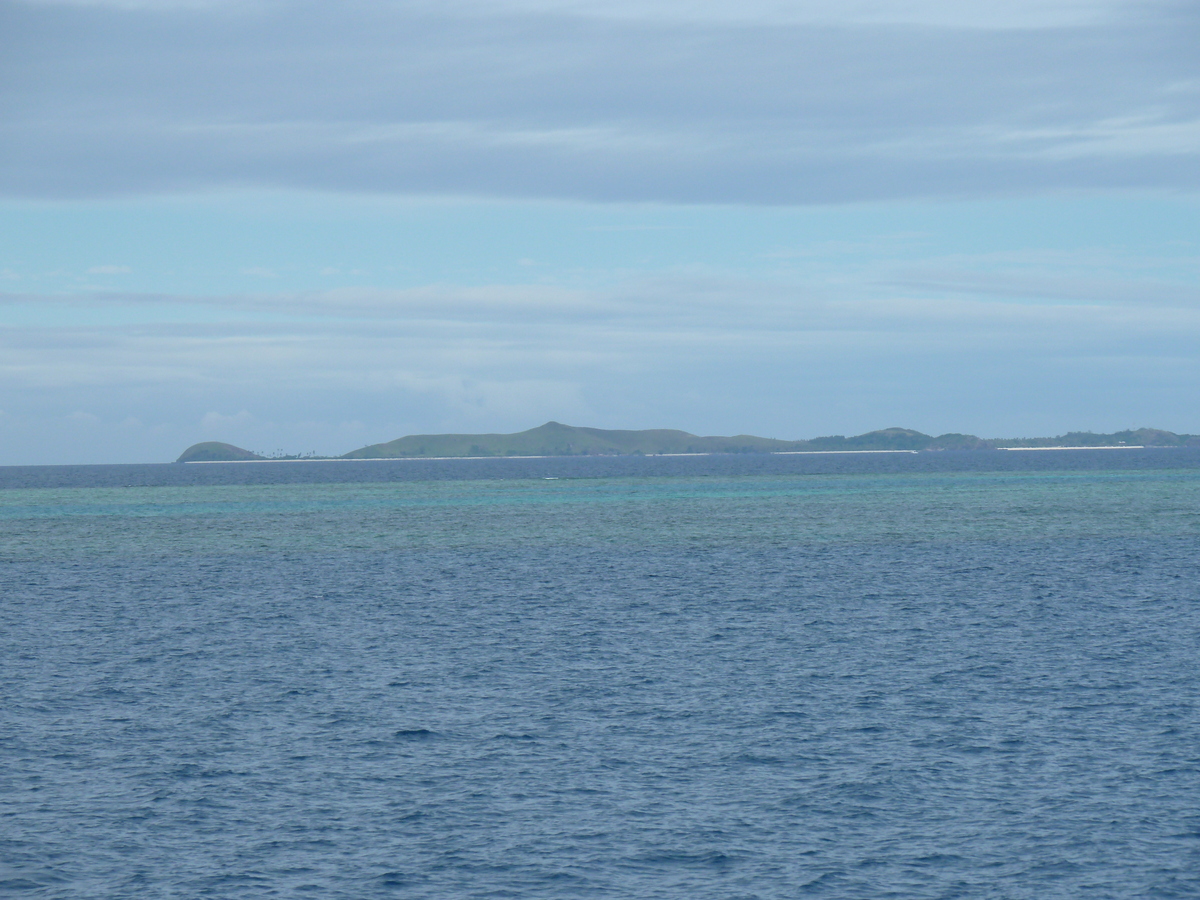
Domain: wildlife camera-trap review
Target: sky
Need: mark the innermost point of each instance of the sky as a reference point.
(311, 226)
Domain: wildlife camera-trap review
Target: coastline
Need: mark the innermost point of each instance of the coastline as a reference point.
(339, 459)
(1121, 447)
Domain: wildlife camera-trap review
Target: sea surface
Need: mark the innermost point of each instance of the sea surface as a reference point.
(932, 675)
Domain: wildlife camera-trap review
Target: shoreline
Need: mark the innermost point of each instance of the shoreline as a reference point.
(338, 459)
(1109, 447)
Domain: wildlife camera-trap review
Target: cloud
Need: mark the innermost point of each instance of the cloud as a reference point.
(729, 103)
(951, 349)
(514, 304)
(1106, 291)
(979, 14)
(217, 422)
(421, 340)
(109, 270)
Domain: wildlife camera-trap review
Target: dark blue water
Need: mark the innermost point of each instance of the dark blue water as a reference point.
(912, 676)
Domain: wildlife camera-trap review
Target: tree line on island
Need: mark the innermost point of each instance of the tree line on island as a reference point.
(555, 439)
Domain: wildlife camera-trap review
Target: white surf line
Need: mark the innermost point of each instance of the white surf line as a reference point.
(1108, 447)
(826, 452)
(209, 462)
(339, 459)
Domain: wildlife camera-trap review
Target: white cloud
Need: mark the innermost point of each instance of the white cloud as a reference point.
(566, 344)
(706, 354)
(979, 13)
(753, 102)
(150, 5)
(215, 421)
(109, 270)
(947, 13)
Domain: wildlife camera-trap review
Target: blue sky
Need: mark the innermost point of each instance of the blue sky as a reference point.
(308, 226)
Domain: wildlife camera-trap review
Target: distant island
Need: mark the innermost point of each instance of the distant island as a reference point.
(555, 439)
(215, 451)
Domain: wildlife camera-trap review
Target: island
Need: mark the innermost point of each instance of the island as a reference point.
(215, 451)
(556, 439)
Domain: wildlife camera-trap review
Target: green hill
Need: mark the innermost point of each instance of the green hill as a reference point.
(215, 451)
(556, 439)
(885, 439)
(1141, 437)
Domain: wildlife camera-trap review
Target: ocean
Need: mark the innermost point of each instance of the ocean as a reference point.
(935, 675)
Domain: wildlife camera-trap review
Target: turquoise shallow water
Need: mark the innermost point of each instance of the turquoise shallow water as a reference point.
(708, 677)
(725, 509)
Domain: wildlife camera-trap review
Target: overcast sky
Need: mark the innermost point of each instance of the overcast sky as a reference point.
(312, 225)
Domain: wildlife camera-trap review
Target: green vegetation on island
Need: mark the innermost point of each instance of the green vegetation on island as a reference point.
(556, 439)
(1142, 437)
(215, 451)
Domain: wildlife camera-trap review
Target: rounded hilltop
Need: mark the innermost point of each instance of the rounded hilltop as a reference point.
(215, 451)
(557, 439)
